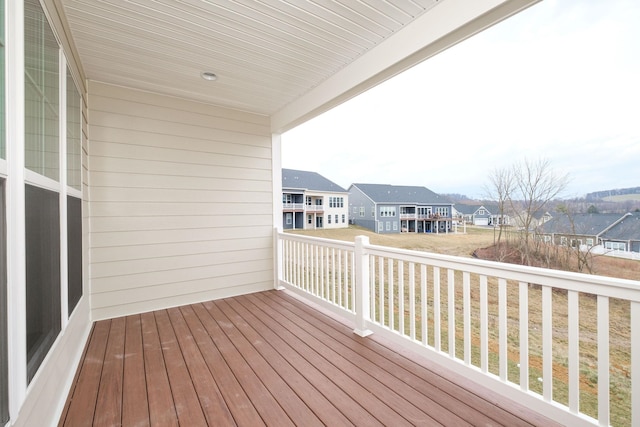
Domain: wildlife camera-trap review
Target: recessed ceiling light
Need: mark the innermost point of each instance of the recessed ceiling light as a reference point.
(208, 75)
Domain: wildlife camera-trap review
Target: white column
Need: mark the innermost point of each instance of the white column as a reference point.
(362, 289)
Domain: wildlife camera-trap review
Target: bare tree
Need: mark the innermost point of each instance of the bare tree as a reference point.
(535, 184)
(501, 185)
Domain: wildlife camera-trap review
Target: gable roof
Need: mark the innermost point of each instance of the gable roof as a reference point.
(580, 224)
(401, 194)
(305, 180)
(627, 228)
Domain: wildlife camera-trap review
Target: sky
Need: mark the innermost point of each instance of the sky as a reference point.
(559, 81)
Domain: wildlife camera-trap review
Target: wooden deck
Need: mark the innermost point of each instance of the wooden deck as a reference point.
(266, 359)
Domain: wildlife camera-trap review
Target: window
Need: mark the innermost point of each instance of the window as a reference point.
(328, 219)
(362, 211)
(42, 88)
(309, 219)
(563, 240)
(2, 95)
(336, 218)
(42, 234)
(388, 226)
(343, 218)
(4, 371)
(319, 202)
(308, 200)
(442, 211)
(286, 198)
(74, 131)
(387, 211)
(288, 218)
(615, 246)
(395, 226)
(482, 212)
(380, 226)
(589, 242)
(74, 252)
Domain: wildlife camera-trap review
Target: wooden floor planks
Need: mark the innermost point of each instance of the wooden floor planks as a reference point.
(265, 359)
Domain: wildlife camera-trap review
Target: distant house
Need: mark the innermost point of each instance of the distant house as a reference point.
(311, 201)
(481, 214)
(396, 208)
(578, 229)
(624, 234)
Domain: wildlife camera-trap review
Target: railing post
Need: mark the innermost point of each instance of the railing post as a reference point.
(278, 254)
(362, 291)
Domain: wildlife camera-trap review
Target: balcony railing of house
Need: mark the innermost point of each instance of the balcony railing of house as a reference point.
(565, 344)
(314, 208)
(293, 206)
(408, 216)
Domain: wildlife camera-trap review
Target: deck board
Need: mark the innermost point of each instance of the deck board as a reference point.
(266, 359)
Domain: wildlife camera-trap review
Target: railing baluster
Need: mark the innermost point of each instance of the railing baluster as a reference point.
(466, 299)
(451, 298)
(502, 337)
(524, 335)
(412, 301)
(424, 304)
(603, 360)
(574, 351)
(547, 344)
(401, 296)
(381, 289)
(372, 286)
(391, 301)
(484, 325)
(333, 276)
(436, 310)
(635, 363)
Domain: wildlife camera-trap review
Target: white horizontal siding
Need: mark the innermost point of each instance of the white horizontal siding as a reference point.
(181, 201)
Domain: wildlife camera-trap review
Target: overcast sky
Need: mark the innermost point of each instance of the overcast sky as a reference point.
(560, 80)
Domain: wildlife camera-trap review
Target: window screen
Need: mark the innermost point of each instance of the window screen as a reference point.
(74, 251)
(43, 273)
(4, 373)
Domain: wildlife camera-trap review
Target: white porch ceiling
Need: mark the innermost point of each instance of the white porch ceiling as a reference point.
(289, 60)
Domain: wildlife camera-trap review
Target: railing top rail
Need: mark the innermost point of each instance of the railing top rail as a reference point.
(328, 242)
(588, 283)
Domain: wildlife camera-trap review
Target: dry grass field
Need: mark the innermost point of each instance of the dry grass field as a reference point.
(475, 237)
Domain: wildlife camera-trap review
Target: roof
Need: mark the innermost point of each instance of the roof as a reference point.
(628, 228)
(304, 180)
(469, 209)
(580, 224)
(401, 194)
(287, 61)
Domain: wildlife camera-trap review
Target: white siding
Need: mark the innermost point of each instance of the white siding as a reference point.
(181, 201)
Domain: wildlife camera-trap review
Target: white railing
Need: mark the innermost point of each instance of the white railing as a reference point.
(565, 344)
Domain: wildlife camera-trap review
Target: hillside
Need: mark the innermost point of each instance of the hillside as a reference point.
(616, 195)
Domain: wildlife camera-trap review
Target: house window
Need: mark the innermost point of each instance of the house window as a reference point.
(2, 95)
(336, 218)
(4, 370)
(319, 202)
(308, 198)
(563, 240)
(380, 226)
(343, 218)
(328, 219)
(362, 211)
(288, 218)
(615, 246)
(309, 219)
(43, 273)
(388, 225)
(286, 199)
(482, 212)
(42, 91)
(387, 211)
(74, 252)
(442, 211)
(395, 226)
(589, 242)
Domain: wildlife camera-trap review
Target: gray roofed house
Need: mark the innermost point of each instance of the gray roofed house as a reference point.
(485, 214)
(577, 229)
(624, 234)
(311, 201)
(386, 208)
